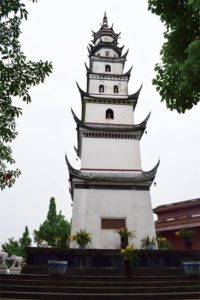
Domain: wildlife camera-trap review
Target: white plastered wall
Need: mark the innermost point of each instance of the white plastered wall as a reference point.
(99, 67)
(96, 113)
(90, 205)
(108, 87)
(103, 51)
(110, 153)
(105, 38)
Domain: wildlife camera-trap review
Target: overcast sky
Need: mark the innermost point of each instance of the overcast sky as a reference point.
(59, 31)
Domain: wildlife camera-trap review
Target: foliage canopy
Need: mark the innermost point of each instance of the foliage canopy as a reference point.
(17, 76)
(55, 229)
(178, 75)
(18, 247)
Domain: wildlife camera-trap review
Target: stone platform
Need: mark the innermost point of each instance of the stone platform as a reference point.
(37, 258)
(99, 274)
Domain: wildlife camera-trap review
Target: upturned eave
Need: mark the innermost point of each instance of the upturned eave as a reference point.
(126, 74)
(144, 177)
(111, 128)
(131, 97)
(93, 49)
(105, 31)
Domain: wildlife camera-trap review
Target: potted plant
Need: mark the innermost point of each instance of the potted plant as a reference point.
(187, 236)
(82, 238)
(162, 243)
(129, 257)
(62, 242)
(148, 243)
(125, 235)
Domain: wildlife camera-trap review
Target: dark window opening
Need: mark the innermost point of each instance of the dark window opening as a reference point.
(101, 89)
(109, 114)
(115, 89)
(107, 53)
(108, 68)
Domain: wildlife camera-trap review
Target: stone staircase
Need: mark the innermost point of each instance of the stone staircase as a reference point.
(102, 283)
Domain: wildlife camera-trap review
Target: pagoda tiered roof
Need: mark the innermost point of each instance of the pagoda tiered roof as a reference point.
(99, 43)
(121, 58)
(111, 127)
(105, 30)
(113, 178)
(137, 129)
(126, 74)
(142, 178)
(132, 97)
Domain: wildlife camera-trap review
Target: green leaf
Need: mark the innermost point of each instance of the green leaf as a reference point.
(177, 77)
(17, 78)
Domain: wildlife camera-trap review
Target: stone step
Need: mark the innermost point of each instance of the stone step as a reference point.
(103, 285)
(100, 290)
(120, 272)
(50, 281)
(90, 296)
(105, 278)
(109, 271)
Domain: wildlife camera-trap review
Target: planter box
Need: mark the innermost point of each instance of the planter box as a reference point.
(57, 267)
(192, 267)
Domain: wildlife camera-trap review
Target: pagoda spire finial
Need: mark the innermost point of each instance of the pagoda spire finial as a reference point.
(105, 20)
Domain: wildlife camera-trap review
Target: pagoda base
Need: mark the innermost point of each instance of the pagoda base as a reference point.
(37, 258)
(97, 208)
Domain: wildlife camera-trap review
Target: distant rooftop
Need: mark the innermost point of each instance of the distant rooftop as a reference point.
(176, 205)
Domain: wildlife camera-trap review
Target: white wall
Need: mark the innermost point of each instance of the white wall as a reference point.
(110, 153)
(105, 38)
(99, 67)
(108, 87)
(96, 113)
(90, 205)
(112, 53)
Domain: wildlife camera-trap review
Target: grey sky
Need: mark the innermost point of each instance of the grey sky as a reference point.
(59, 31)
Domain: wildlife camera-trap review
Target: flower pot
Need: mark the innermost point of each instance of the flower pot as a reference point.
(127, 267)
(57, 267)
(192, 267)
(151, 247)
(82, 246)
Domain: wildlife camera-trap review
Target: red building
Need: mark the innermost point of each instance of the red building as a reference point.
(174, 216)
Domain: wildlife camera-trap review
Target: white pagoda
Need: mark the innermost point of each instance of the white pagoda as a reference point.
(111, 190)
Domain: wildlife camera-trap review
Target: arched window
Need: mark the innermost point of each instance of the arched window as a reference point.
(109, 114)
(101, 88)
(115, 89)
(107, 68)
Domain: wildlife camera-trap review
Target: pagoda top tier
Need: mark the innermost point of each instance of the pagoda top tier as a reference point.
(105, 37)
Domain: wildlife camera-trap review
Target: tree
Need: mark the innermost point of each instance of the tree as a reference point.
(18, 247)
(178, 75)
(17, 75)
(25, 241)
(55, 229)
